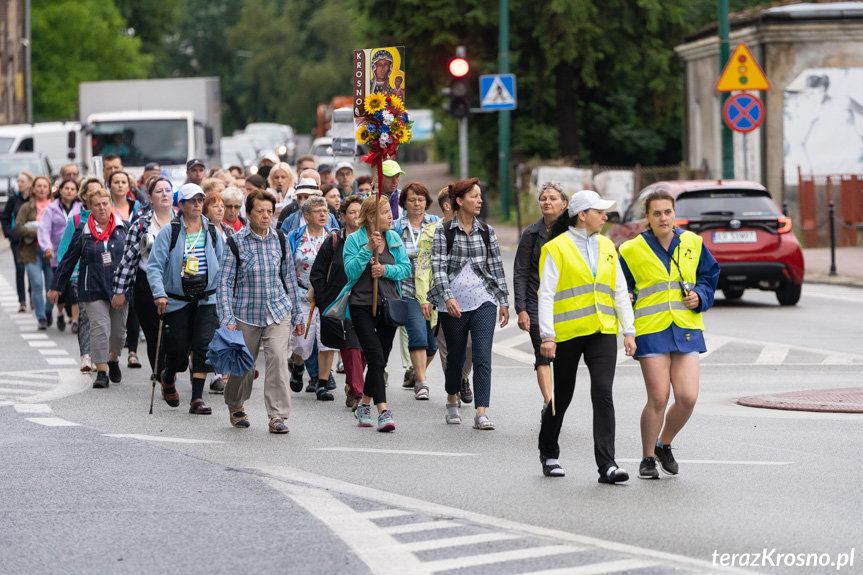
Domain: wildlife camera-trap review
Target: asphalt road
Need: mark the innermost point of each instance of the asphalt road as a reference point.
(93, 484)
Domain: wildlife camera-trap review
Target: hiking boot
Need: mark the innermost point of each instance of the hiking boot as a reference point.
(410, 378)
(466, 395)
(666, 460)
(647, 469)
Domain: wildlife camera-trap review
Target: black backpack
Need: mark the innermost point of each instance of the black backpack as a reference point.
(234, 250)
(175, 232)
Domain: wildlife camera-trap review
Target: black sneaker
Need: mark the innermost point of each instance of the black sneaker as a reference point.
(49, 318)
(101, 381)
(61, 322)
(297, 379)
(313, 385)
(647, 469)
(331, 382)
(114, 371)
(666, 460)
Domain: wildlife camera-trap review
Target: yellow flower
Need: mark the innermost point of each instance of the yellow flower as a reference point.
(363, 135)
(374, 102)
(397, 104)
(408, 135)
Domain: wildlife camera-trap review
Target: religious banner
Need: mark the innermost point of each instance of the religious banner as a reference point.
(378, 71)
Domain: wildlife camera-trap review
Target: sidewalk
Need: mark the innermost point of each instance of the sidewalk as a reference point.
(849, 261)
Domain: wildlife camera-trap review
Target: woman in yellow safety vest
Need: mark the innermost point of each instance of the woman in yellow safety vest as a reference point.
(673, 279)
(583, 301)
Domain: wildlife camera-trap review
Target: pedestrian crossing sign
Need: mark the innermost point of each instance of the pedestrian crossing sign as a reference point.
(497, 92)
(742, 72)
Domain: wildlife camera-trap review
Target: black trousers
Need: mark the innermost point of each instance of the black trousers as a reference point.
(600, 355)
(148, 316)
(189, 329)
(376, 339)
(133, 327)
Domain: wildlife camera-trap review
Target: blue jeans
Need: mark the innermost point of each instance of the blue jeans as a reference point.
(36, 272)
(420, 332)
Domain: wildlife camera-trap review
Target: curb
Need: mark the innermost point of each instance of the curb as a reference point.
(825, 279)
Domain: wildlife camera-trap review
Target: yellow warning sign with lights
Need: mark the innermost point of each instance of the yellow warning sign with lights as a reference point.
(742, 72)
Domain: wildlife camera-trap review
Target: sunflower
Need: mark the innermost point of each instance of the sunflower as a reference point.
(374, 102)
(407, 136)
(363, 135)
(397, 104)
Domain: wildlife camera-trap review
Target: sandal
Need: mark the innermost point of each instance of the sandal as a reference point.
(197, 407)
(480, 421)
(133, 360)
(277, 425)
(454, 419)
(169, 392)
(239, 419)
(551, 469)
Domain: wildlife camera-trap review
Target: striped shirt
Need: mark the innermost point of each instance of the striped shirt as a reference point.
(197, 249)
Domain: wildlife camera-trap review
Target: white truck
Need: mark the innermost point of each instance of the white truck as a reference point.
(167, 121)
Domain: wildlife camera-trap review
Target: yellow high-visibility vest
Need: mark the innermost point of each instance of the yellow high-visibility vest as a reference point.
(583, 304)
(659, 292)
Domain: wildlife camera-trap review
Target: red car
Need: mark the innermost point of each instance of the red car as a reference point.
(741, 225)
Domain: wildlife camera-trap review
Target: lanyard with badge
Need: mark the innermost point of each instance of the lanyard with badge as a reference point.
(415, 240)
(190, 262)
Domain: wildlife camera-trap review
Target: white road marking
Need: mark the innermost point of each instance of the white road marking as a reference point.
(385, 513)
(837, 360)
(772, 354)
(424, 526)
(53, 351)
(718, 462)
(4, 381)
(501, 556)
(32, 408)
(38, 344)
(459, 541)
(714, 342)
(61, 361)
(13, 391)
(318, 482)
(29, 336)
(6, 403)
(599, 568)
(839, 293)
(393, 451)
(52, 421)
(162, 439)
(828, 352)
(379, 551)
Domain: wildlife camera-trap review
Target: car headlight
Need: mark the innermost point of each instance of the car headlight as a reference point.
(283, 150)
(253, 170)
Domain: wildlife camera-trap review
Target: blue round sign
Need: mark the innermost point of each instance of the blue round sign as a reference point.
(743, 113)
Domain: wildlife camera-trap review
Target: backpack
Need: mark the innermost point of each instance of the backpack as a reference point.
(449, 230)
(175, 232)
(235, 250)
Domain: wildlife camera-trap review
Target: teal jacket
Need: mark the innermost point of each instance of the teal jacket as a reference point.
(356, 258)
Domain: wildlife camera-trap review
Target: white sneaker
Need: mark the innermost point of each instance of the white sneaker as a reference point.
(86, 364)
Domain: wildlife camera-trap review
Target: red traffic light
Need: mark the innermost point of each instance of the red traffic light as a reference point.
(459, 67)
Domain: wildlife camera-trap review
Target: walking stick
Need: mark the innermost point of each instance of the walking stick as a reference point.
(309, 322)
(553, 402)
(377, 186)
(156, 367)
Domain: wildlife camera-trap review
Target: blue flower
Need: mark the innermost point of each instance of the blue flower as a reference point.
(405, 118)
(384, 128)
(379, 116)
(371, 128)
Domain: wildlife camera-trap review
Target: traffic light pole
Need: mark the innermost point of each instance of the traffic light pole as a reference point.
(462, 149)
(724, 52)
(503, 118)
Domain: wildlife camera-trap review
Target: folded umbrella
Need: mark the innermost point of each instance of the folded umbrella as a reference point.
(228, 352)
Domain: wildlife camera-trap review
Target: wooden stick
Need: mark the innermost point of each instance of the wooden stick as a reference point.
(377, 187)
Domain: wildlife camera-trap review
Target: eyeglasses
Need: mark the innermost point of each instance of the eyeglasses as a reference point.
(319, 212)
(196, 200)
(232, 206)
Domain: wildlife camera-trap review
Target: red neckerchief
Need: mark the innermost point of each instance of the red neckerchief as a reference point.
(106, 233)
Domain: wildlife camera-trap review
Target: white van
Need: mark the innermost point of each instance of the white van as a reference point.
(49, 138)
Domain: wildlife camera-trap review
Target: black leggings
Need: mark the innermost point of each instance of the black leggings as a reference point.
(148, 317)
(133, 328)
(600, 355)
(376, 339)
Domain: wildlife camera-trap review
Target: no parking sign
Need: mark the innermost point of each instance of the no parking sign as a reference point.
(743, 113)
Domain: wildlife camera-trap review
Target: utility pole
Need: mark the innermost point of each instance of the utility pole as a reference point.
(724, 52)
(28, 65)
(503, 118)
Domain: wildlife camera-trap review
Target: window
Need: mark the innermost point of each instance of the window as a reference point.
(138, 142)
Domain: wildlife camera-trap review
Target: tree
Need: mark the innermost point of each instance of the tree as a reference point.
(154, 22)
(78, 41)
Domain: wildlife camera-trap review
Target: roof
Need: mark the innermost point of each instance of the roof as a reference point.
(788, 11)
(676, 187)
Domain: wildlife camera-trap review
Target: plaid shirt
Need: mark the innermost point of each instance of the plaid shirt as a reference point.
(124, 277)
(257, 293)
(466, 249)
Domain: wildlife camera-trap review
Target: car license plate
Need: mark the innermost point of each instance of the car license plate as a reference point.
(734, 237)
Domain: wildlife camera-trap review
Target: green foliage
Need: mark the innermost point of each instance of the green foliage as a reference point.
(78, 41)
(153, 21)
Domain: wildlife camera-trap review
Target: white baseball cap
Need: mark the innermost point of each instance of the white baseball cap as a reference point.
(588, 200)
(342, 165)
(189, 191)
